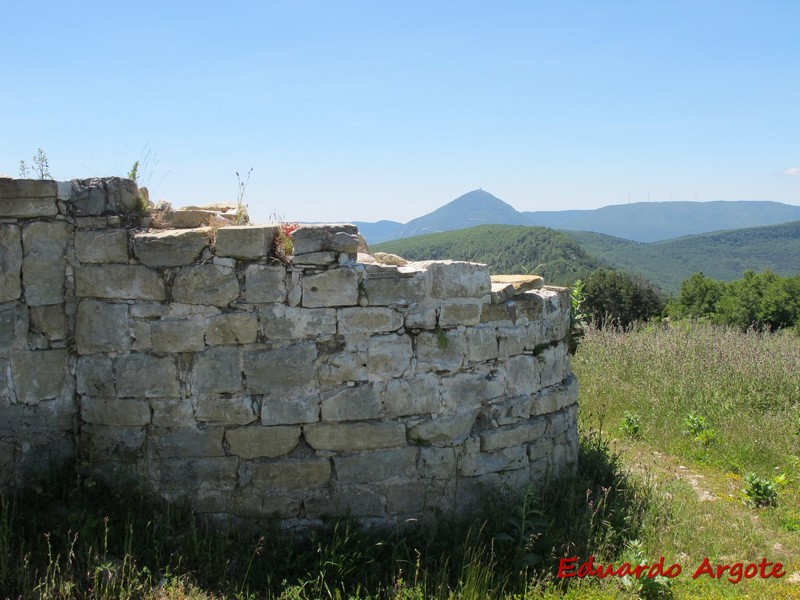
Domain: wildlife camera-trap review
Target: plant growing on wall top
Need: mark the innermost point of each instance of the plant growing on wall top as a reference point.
(41, 166)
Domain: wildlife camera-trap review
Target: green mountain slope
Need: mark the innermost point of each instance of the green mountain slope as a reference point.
(505, 248)
(723, 255)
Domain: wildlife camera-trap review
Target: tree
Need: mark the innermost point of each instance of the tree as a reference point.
(619, 299)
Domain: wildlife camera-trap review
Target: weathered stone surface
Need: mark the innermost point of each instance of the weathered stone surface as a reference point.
(401, 287)
(50, 321)
(515, 435)
(27, 198)
(554, 398)
(389, 356)
(512, 340)
(161, 380)
(95, 376)
(315, 259)
(112, 442)
(354, 500)
(233, 328)
(438, 463)
(281, 322)
(171, 248)
(13, 327)
(455, 279)
(190, 475)
(290, 407)
(482, 344)
(337, 287)
(500, 314)
(44, 247)
(352, 437)
(343, 359)
(283, 366)
(418, 395)
(40, 375)
(421, 317)
(472, 389)
(368, 320)
(10, 262)
(177, 335)
(320, 238)
(292, 474)
(189, 441)
(224, 411)
(171, 413)
(246, 241)
(442, 350)
(206, 284)
(553, 364)
(262, 442)
(460, 312)
(352, 403)
(265, 283)
(508, 459)
(444, 430)
(132, 282)
(101, 327)
(102, 246)
(217, 370)
(523, 375)
(373, 467)
(120, 413)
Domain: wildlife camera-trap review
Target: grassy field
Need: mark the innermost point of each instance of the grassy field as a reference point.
(677, 424)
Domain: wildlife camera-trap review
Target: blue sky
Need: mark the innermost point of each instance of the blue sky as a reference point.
(387, 109)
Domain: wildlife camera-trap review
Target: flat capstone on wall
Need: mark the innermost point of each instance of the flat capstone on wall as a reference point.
(204, 365)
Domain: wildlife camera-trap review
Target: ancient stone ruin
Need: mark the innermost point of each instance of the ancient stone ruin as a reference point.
(203, 365)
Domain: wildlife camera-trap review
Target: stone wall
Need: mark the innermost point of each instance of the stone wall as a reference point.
(199, 364)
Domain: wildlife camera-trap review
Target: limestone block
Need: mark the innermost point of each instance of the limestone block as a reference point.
(481, 344)
(217, 370)
(252, 503)
(44, 247)
(315, 259)
(292, 474)
(320, 238)
(354, 500)
(561, 421)
(119, 413)
(95, 376)
(233, 328)
(506, 459)
(224, 411)
(472, 389)
(554, 398)
(532, 304)
(290, 407)
(132, 282)
(28, 198)
(368, 320)
(161, 380)
(13, 327)
(265, 283)
(245, 241)
(421, 317)
(206, 284)
(437, 463)
(389, 356)
(101, 327)
(421, 499)
(418, 395)
(456, 279)
(502, 314)
(537, 334)
(171, 248)
(189, 475)
(375, 467)
(523, 374)
(514, 435)
(6, 389)
(460, 312)
(294, 287)
(512, 340)
(506, 411)
(351, 403)
(189, 441)
(40, 375)
(353, 437)
(103, 246)
(177, 335)
(50, 321)
(281, 322)
(10, 262)
(262, 442)
(400, 287)
(141, 341)
(441, 350)
(445, 430)
(282, 366)
(343, 359)
(554, 364)
(336, 287)
(111, 442)
(171, 413)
